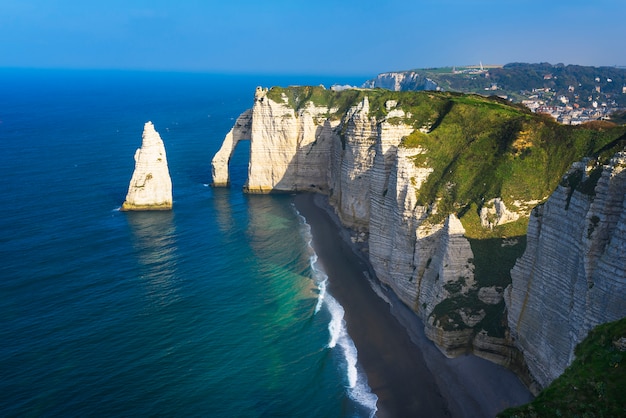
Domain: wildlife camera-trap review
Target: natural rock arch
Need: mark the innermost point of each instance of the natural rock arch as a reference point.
(242, 130)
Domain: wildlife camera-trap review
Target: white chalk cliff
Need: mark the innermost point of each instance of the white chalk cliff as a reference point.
(150, 186)
(373, 181)
(572, 275)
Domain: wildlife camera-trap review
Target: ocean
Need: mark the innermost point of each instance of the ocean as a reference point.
(217, 308)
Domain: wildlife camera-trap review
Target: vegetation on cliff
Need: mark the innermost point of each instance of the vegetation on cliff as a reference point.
(298, 97)
(482, 148)
(593, 385)
(479, 148)
(422, 108)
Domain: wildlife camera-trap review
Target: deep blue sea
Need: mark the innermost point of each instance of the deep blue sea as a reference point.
(215, 309)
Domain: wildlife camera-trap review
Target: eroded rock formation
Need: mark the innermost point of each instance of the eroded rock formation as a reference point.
(302, 139)
(240, 131)
(150, 186)
(289, 148)
(372, 181)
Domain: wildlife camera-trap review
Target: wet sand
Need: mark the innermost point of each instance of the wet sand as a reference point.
(410, 376)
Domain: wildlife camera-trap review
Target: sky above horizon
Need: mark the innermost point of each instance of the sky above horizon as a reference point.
(296, 37)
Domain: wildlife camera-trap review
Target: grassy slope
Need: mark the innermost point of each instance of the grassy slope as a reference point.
(483, 148)
(593, 386)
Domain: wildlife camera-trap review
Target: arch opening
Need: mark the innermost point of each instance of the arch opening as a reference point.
(238, 164)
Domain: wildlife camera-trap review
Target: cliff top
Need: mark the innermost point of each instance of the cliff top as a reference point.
(479, 148)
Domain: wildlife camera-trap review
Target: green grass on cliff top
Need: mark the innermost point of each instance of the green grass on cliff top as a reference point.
(479, 147)
(482, 148)
(424, 107)
(593, 385)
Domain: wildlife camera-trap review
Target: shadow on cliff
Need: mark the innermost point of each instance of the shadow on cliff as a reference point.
(495, 257)
(307, 170)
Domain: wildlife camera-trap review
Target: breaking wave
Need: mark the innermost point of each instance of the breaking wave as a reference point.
(339, 340)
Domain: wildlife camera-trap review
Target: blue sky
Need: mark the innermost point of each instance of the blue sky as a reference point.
(308, 37)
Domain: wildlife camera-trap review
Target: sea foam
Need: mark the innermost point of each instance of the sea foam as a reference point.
(339, 339)
(319, 276)
(357, 387)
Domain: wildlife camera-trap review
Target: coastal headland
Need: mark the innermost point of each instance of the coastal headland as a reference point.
(501, 229)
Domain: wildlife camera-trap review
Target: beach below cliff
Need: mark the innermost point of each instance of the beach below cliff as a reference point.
(407, 372)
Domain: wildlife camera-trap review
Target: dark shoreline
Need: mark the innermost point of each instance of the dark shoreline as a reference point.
(410, 376)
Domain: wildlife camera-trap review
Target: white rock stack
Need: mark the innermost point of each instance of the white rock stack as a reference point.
(151, 186)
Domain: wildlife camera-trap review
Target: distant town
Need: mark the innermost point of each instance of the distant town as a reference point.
(590, 107)
(571, 94)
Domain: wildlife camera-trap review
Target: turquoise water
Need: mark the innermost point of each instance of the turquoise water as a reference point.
(214, 309)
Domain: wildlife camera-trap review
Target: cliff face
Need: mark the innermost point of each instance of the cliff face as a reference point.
(572, 276)
(150, 187)
(441, 187)
(289, 148)
(401, 81)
